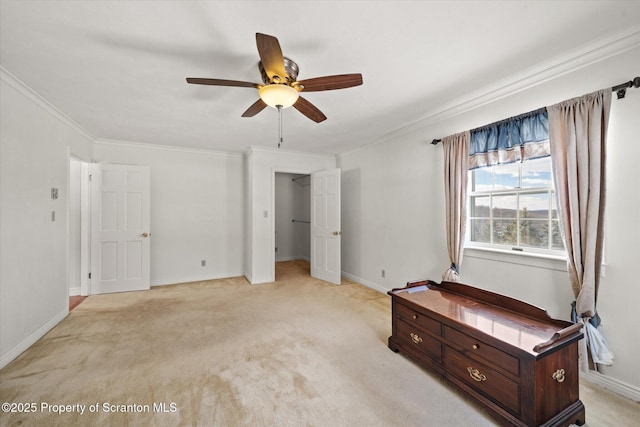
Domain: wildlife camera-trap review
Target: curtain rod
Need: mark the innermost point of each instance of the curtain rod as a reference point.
(620, 90)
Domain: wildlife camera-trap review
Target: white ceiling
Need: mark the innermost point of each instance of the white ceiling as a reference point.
(118, 68)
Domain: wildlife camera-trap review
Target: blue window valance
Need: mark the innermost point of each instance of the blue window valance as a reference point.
(511, 140)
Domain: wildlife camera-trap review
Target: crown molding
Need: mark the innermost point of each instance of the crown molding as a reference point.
(591, 53)
(13, 81)
(256, 149)
(144, 145)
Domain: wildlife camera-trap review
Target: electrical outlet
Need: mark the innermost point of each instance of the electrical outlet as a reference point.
(383, 273)
(203, 263)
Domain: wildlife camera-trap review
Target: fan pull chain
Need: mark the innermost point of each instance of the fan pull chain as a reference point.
(279, 107)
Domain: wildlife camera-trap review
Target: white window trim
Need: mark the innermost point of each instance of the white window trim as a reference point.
(530, 259)
(518, 250)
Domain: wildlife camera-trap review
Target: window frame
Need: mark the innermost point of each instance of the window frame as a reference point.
(516, 191)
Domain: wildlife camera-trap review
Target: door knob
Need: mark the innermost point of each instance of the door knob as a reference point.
(337, 233)
(145, 235)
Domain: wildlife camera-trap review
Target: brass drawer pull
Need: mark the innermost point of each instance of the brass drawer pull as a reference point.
(475, 346)
(415, 316)
(558, 375)
(476, 375)
(416, 338)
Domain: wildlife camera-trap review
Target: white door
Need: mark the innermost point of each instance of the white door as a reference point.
(325, 225)
(120, 213)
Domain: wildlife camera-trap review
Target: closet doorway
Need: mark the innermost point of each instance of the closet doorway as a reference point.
(292, 215)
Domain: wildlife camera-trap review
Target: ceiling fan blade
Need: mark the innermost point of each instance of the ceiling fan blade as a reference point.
(340, 81)
(255, 108)
(309, 110)
(221, 82)
(271, 57)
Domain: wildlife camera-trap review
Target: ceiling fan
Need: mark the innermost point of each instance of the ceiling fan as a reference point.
(280, 88)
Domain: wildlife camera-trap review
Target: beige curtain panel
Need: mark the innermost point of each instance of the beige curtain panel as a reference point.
(456, 167)
(577, 138)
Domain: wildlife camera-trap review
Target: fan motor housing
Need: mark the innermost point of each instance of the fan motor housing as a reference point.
(290, 67)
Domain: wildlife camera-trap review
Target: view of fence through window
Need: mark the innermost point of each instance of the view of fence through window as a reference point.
(513, 206)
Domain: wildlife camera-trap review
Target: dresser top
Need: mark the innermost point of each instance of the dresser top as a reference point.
(501, 319)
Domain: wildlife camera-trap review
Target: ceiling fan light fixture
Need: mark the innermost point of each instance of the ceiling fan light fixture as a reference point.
(278, 94)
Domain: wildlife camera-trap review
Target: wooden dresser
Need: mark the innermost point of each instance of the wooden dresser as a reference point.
(513, 358)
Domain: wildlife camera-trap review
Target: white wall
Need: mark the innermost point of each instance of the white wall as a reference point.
(619, 296)
(197, 209)
(289, 202)
(263, 165)
(35, 142)
(390, 214)
(393, 206)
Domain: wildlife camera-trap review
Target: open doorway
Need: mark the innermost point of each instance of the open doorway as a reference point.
(292, 219)
(79, 205)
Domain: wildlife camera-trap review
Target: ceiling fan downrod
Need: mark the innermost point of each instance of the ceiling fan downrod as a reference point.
(279, 107)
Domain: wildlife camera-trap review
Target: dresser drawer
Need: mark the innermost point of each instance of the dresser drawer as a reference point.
(489, 382)
(417, 339)
(485, 353)
(420, 319)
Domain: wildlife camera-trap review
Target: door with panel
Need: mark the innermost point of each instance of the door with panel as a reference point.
(325, 225)
(120, 228)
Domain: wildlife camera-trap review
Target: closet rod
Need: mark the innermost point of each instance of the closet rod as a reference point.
(304, 184)
(304, 222)
(620, 90)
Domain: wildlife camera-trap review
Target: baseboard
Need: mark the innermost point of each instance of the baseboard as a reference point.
(366, 283)
(290, 258)
(612, 384)
(175, 281)
(75, 291)
(248, 276)
(7, 358)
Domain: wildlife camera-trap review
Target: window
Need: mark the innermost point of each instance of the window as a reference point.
(513, 207)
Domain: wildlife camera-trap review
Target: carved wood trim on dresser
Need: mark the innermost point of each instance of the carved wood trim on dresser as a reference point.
(512, 357)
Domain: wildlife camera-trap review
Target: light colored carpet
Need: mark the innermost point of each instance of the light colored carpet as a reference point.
(297, 352)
